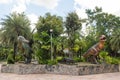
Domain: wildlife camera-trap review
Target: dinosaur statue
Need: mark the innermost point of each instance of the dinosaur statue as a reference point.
(92, 53)
(24, 47)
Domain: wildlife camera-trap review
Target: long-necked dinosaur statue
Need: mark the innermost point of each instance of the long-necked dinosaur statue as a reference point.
(25, 48)
(93, 52)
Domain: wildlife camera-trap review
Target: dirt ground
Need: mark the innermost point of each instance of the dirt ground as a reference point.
(106, 76)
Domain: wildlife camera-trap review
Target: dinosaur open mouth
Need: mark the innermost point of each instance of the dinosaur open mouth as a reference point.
(103, 38)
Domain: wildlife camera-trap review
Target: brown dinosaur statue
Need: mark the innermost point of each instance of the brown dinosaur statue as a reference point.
(93, 52)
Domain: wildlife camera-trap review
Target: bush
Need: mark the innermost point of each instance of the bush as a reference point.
(77, 59)
(115, 61)
(10, 59)
(3, 53)
(19, 57)
(59, 58)
(104, 57)
(42, 56)
(52, 62)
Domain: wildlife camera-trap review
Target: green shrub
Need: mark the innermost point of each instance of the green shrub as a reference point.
(77, 59)
(19, 57)
(3, 53)
(52, 62)
(59, 58)
(42, 56)
(115, 61)
(10, 59)
(104, 57)
(83, 59)
(103, 54)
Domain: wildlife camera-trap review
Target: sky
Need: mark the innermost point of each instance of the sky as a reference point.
(35, 8)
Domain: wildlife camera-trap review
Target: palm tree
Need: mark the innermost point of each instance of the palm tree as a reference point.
(115, 40)
(14, 25)
(73, 26)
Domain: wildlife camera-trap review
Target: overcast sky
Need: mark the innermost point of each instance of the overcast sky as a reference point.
(35, 8)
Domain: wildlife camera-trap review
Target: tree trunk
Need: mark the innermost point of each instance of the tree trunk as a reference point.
(15, 50)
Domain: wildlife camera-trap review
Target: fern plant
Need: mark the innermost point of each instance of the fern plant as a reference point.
(105, 58)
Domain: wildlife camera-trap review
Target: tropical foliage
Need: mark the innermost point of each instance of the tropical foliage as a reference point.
(13, 26)
(54, 34)
(44, 25)
(73, 25)
(104, 23)
(115, 41)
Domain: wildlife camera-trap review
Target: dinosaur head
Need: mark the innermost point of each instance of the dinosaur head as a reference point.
(102, 38)
(22, 39)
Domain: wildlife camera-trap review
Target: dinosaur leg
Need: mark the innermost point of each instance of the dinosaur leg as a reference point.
(90, 59)
(95, 60)
(28, 58)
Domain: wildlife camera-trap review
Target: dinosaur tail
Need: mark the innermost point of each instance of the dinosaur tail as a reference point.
(85, 54)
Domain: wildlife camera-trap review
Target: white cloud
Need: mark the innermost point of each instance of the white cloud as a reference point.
(110, 6)
(49, 4)
(5, 1)
(80, 12)
(20, 6)
(33, 18)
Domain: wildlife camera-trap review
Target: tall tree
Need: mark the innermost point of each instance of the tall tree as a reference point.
(44, 25)
(115, 41)
(102, 23)
(14, 25)
(73, 25)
